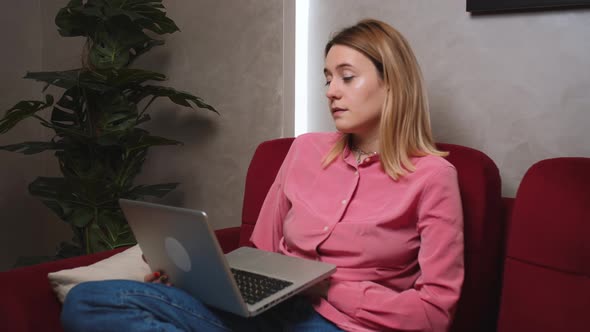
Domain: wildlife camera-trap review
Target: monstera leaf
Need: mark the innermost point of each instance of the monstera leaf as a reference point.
(32, 147)
(109, 52)
(83, 18)
(23, 110)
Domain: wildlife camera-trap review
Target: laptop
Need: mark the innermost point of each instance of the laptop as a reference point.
(245, 282)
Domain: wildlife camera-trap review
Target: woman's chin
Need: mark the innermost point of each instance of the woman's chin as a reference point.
(345, 129)
(342, 127)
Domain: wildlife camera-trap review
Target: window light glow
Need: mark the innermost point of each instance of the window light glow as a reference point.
(301, 65)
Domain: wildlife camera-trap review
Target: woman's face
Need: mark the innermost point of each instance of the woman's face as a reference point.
(355, 91)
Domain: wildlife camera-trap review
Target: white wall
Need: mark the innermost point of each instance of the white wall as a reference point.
(516, 86)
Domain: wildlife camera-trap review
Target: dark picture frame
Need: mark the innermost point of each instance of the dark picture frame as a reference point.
(480, 6)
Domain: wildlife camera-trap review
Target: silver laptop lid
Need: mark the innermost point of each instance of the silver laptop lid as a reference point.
(161, 232)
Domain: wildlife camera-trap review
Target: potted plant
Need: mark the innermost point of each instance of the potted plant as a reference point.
(98, 141)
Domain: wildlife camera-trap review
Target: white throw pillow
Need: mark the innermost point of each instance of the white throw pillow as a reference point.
(127, 265)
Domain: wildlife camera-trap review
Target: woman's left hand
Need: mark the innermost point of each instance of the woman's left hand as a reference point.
(156, 277)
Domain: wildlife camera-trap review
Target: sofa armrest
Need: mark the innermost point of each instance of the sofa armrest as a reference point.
(28, 302)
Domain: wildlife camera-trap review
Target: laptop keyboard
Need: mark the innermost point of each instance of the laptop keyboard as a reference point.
(255, 287)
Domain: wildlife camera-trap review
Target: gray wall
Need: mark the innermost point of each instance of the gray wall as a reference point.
(515, 86)
(228, 52)
(27, 228)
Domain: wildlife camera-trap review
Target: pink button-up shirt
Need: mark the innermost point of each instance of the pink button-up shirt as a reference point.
(397, 245)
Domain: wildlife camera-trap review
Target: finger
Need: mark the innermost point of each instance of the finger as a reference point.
(163, 279)
(152, 277)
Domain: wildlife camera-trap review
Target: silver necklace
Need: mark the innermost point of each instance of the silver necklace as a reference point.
(360, 153)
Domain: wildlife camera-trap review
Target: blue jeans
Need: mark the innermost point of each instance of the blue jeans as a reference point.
(123, 305)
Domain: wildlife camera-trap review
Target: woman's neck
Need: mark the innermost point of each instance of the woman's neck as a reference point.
(365, 144)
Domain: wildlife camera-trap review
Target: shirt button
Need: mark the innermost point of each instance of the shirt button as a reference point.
(326, 228)
(343, 201)
(356, 172)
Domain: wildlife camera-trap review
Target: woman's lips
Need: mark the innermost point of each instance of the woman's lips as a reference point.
(337, 111)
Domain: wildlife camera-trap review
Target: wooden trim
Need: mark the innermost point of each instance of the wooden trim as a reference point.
(507, 5)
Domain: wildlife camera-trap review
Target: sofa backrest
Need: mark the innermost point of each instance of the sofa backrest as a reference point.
(480, 186)
(262, 172)
(546, 284)
(479, 182)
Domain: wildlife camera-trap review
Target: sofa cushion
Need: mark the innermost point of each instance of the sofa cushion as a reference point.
(552, 213)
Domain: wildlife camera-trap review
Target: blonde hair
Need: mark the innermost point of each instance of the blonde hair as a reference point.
(404, 129)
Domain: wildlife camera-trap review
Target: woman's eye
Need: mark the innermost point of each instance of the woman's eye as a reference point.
(327, 83)
(347, 78)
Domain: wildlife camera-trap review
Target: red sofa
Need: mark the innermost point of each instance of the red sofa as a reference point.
(30, 305)
(546, 283)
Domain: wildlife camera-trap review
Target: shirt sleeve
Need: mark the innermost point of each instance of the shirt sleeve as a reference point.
(429, 305)
(268, 230)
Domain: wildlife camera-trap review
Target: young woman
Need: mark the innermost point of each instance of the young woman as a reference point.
(376, 199)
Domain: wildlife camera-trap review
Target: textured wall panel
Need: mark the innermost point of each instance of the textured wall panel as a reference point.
(515, 86)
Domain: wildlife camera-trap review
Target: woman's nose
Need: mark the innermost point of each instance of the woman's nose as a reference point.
(333, 92)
